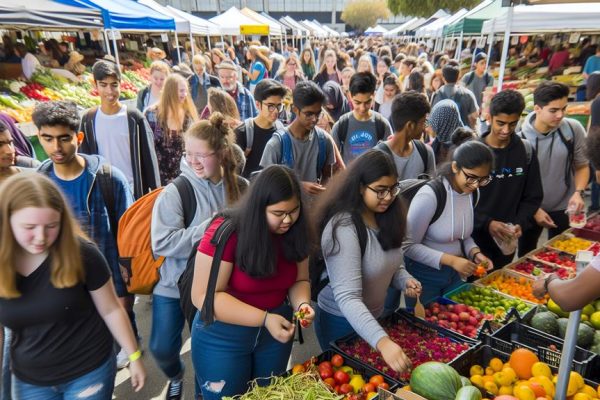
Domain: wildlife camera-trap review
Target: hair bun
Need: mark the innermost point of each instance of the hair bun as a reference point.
(217, 120)
(462, 135)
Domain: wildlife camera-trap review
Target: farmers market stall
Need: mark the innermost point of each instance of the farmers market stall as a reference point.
(48, 15)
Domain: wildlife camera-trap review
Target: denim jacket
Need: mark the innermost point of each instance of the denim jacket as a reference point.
(98, 226)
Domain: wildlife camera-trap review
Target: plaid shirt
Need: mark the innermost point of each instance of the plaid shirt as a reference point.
(245, 103)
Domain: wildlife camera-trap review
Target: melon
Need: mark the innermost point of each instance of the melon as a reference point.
(468, 393)
(435, 381)
(545, 322)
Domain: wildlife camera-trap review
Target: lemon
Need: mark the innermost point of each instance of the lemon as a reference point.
(588, 310)
(357, 382)
(496, 364)
(524, 392)
(477, 380)
(491, 387)
(546, 382)
(581, 396)
(507, 390)
(578, 380)
(541, 369)
(489, 371)
(595, 320)
(587, 389)
(476, 370)
(505, 377)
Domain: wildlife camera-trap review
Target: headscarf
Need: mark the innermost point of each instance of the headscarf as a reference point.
(22, 145)
(336, 97)
(444, 119)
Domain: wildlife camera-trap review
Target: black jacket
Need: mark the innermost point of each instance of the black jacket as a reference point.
(515, 192)
(143, 156)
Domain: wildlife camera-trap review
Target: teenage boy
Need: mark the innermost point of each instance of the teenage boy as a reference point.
(303, 146)
(121, 135)
(515, 191)
(228, 75)
(98, 195)
(358, 131)
(478, 79)
(463, 97)
(412, 157)
(560, 149)
(254, 133)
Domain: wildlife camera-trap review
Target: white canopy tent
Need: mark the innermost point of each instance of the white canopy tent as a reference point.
(327, 29)
(315, 29)
(430, 30)
(376, 30)
(439, 32)
(231, 20)
(198, 26)
(181, 25)
(400, 29)
(275, 28)
(302, 30)
(48, 15)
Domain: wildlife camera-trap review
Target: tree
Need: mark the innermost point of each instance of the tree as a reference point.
(426, 8)
(362, 14)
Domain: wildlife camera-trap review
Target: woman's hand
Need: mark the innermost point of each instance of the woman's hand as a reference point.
(413, 288)
(280, 328)
(305, 314)
(464, 267)
(481, 259)
(393, 355)
(138, 374)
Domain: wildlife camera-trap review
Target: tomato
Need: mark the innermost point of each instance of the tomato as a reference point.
(330, 382)
(376, 380)
(325, 364)
(298, 368)
(341, 377)
(337, 360)
(384, 385)
(369, 388)
(326, 373)
(346, 388)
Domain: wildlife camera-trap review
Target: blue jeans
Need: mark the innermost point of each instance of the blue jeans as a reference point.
(329, 327)
(95, 385)
(435, 282)
(227, 357)
(165, 338)
(5, 384)
(392, 301)
(595, 205)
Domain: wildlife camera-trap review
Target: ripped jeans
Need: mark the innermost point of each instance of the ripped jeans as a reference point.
(226, 357)
(95, 385)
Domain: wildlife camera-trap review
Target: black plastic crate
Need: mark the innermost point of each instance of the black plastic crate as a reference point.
(480, 356)
(406, 318)
(517, 334)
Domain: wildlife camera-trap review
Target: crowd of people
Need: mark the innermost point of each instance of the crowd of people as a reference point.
(345, 176)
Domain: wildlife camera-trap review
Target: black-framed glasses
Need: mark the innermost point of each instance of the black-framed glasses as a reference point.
(383, 193)
(479, 180)
(311, 115)
(293, 214)
(273, 107)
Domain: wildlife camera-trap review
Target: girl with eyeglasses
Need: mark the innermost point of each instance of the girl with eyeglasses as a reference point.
(290, 72)
(209, 166)
(440, 253)
(361, 224)
(262, 279)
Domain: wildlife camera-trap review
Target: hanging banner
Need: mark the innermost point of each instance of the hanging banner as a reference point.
(117, 35)
(254, 30)
(574, 37)
(164, 37)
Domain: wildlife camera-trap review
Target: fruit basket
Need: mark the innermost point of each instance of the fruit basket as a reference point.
(534, 268)
(420, 340)
(459, 318)
(568, 243)
(491, 302)
(517, 334)
(591, 230)
(512, 284)
(554, 258)
(479, 356)
(357, 373)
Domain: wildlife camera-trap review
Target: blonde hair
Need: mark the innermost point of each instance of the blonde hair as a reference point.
(220, 101)
(199, 58)
(367, 59)
(168, 105)
(160, 66)
(257, 54)
(219, 137)
(31, 189)
(283, 67)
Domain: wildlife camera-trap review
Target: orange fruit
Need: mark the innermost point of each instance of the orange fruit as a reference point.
(521, 360)
(538, 389)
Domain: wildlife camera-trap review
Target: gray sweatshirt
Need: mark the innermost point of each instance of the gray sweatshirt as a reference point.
(552, 155)
(358, 286)
(427, 243)
(170, 238)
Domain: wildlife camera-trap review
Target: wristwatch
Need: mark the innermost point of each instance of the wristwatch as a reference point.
(581, 192)
(547, 281)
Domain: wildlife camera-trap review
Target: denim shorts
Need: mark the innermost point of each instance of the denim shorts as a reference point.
(97, 384)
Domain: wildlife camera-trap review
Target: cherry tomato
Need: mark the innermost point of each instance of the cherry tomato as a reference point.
(337, 360)
(376, 380)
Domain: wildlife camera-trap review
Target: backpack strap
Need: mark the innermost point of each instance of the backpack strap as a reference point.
(342, 131)
(528, 150)
(249, 125)
(219, 240)
(379, 127)
(287, 153)
(440, 196)
(422, 149)
(188, 198)
(570, 144)
(381, 146)
(470, 78)
(104, 177)
(322, 155)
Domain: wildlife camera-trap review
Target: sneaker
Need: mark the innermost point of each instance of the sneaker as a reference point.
(175, 390)
(122, 359)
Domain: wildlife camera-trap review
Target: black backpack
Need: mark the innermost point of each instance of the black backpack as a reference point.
(344, 122)
(486, 76)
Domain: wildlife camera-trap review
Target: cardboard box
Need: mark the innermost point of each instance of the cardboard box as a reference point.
(399, 394)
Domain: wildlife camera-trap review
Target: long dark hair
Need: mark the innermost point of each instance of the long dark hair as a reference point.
(344, 196)
(256, 254)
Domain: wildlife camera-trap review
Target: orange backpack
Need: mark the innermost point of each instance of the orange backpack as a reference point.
(134, 237)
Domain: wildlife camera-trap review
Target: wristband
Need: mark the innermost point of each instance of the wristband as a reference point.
(475, 255)
(265, 319)
(301, 304)
(135, 355)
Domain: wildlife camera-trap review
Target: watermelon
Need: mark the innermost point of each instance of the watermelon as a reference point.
(585, 336)
(435, 381)
(465, 381)
(562, 327)
(545, 322)
(468, 393)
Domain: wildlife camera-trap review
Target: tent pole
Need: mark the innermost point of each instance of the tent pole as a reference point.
(281, 39)
(222, 38)
(192, 44)
(509, 19)
(269, 41)
(459, 46)
(208, 41)
(491, 40)
(114, 39)
(106, 43)
(177, 46)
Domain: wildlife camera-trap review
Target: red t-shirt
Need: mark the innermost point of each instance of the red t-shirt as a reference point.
(263, 293)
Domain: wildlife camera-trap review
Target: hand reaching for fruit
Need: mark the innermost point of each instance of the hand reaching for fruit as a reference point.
(464, 267)
(484, 265)
(393, 355)
(305, 315)
(413, 288)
